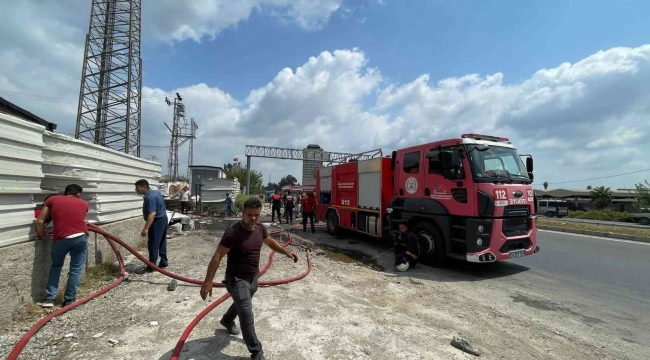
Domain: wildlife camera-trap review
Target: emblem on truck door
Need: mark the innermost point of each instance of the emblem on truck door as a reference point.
(411, 185)
(518, 194)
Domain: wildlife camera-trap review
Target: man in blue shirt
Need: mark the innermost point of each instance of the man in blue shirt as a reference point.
(155, 227)
(229, 209)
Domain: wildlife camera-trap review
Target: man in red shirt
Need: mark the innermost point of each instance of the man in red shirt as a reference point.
(308, 211)
(70, 236)
(243, 244)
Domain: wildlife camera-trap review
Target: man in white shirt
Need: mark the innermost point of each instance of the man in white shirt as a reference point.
(185, 200)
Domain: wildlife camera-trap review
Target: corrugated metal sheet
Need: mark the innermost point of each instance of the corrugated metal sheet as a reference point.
(21, 148)
(215, 190)
(106, 175)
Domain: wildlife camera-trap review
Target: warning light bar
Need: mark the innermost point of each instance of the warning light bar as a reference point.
(484, 137)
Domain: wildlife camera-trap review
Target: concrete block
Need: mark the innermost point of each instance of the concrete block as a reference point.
(554, 228)
(25, 267)
(574, 231)
(641, 239)
(620, 236)
(595, 233)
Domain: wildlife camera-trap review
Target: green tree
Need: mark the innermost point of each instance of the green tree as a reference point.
(287, 180)
(644, 194)
(545, 185)
(601, 197)
(272, 186)
(238, 171)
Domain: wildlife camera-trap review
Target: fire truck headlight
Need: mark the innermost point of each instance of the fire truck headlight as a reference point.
(480, 228)
(479, 241)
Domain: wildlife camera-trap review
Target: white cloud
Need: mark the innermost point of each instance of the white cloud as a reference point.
(621, 136)
(580, 120)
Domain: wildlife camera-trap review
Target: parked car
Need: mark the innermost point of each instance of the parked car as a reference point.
(553, 208)
(643, 219)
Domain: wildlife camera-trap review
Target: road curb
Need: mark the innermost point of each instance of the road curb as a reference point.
(595, 233)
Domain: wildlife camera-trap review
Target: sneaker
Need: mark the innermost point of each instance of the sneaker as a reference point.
(46, 304)
(258, 356)
(66, 303)
(464, 345)
(144, 270)
(231, 328)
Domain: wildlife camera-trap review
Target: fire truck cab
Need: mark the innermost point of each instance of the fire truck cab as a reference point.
(468, 198)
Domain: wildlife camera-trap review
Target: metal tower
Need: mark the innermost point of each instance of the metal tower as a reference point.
(190, 156)
(181, 131)
(111, 79)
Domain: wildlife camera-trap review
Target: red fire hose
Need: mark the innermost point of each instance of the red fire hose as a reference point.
(112, 240)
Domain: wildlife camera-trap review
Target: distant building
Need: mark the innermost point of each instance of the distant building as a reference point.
(309, 165)
(622, 199)
(200, 173)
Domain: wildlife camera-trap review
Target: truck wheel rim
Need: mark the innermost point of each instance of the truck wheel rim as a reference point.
(427, 245)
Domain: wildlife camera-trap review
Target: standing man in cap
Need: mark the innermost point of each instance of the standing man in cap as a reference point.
(155, 227)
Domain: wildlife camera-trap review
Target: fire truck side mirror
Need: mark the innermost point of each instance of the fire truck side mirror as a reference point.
(529, 164)
(392, 160)
(450, 159)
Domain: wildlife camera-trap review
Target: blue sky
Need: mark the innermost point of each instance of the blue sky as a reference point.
(568, 81)
(407, 38)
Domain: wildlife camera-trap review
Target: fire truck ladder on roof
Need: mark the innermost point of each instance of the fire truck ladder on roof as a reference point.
(298, 154)
(366, 155)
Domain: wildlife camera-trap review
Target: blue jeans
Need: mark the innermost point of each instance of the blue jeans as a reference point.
(78, 248)
(229, 210)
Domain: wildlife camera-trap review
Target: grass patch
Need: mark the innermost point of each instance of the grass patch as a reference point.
(595, 227)
(91, 281)
(602, 215)
(142, 245)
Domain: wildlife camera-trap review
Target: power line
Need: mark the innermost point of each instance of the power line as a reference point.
(596, 178)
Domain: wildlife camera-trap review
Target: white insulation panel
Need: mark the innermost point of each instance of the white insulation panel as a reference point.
(107, 176)
(35, 163)
(21, 147)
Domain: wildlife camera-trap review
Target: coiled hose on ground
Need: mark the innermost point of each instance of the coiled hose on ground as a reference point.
(113, 242)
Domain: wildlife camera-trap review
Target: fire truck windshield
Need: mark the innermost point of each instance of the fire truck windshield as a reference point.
(497, 162)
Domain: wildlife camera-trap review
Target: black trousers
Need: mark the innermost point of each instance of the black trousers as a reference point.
(157, 241)
(288, 214)
(305, 216)
(241, 289)
(185, 206)
(273, 211)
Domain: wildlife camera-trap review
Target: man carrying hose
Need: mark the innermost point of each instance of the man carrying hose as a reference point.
(155, 227)
(243, 244)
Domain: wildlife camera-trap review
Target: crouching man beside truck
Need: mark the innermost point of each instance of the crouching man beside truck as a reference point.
(407, 249)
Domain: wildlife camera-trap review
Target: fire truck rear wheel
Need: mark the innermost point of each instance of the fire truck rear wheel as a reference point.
(332, 223)
(432, 245)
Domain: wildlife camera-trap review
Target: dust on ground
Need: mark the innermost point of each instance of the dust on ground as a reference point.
(351, 306)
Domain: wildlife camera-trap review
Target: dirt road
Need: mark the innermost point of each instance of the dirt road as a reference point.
(352, 306)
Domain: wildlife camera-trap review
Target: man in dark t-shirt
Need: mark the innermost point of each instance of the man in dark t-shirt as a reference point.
(243, 244)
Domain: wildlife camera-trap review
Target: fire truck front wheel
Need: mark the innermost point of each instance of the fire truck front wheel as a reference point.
(332, 223)
(432, 245)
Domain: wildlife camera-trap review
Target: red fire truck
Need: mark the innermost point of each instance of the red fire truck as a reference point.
(468, 198)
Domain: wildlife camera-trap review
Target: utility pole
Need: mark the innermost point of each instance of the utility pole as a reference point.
(108, 113)
(179, 135)
(190, 156)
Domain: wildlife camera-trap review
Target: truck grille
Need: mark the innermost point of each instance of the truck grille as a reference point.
(516, 222)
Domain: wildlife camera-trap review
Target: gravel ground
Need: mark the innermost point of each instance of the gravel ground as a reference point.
(351, 306)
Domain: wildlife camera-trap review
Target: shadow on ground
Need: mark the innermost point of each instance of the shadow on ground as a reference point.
(210, 348)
